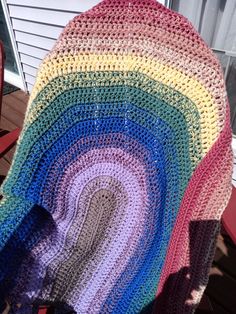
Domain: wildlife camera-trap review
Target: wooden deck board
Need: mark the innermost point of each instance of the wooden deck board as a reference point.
(12, 116)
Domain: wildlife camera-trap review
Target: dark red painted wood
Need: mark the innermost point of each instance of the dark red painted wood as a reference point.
(8, 140)
(229, 217)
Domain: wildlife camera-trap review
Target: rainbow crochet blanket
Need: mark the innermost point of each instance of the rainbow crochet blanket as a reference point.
(122, 170)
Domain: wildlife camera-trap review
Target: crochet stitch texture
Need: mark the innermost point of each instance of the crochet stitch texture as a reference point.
(122, 170)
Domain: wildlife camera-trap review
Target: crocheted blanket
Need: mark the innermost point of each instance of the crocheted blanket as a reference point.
(122, 170)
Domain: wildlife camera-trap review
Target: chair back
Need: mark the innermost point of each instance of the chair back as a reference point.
(122, 170)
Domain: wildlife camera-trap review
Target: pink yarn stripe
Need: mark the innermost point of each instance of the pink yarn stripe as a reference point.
(220, 153)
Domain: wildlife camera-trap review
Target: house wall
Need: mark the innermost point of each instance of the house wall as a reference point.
(36, 25)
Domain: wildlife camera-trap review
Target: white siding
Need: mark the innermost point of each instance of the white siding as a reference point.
(40, 15)
(37, 24)
(69, 5)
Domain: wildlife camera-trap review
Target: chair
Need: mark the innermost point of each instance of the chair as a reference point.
(114, 199)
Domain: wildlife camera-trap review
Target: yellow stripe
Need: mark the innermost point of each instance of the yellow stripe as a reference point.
(162, 73)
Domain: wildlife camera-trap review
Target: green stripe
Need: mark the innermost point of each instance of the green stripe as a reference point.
(180, 114)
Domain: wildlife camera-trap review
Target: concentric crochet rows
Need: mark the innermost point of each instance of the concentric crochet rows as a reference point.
(114, 163)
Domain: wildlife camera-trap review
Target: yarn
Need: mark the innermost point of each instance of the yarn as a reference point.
(122, 170)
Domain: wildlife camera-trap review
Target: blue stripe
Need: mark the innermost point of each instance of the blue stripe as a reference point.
(69, 129)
